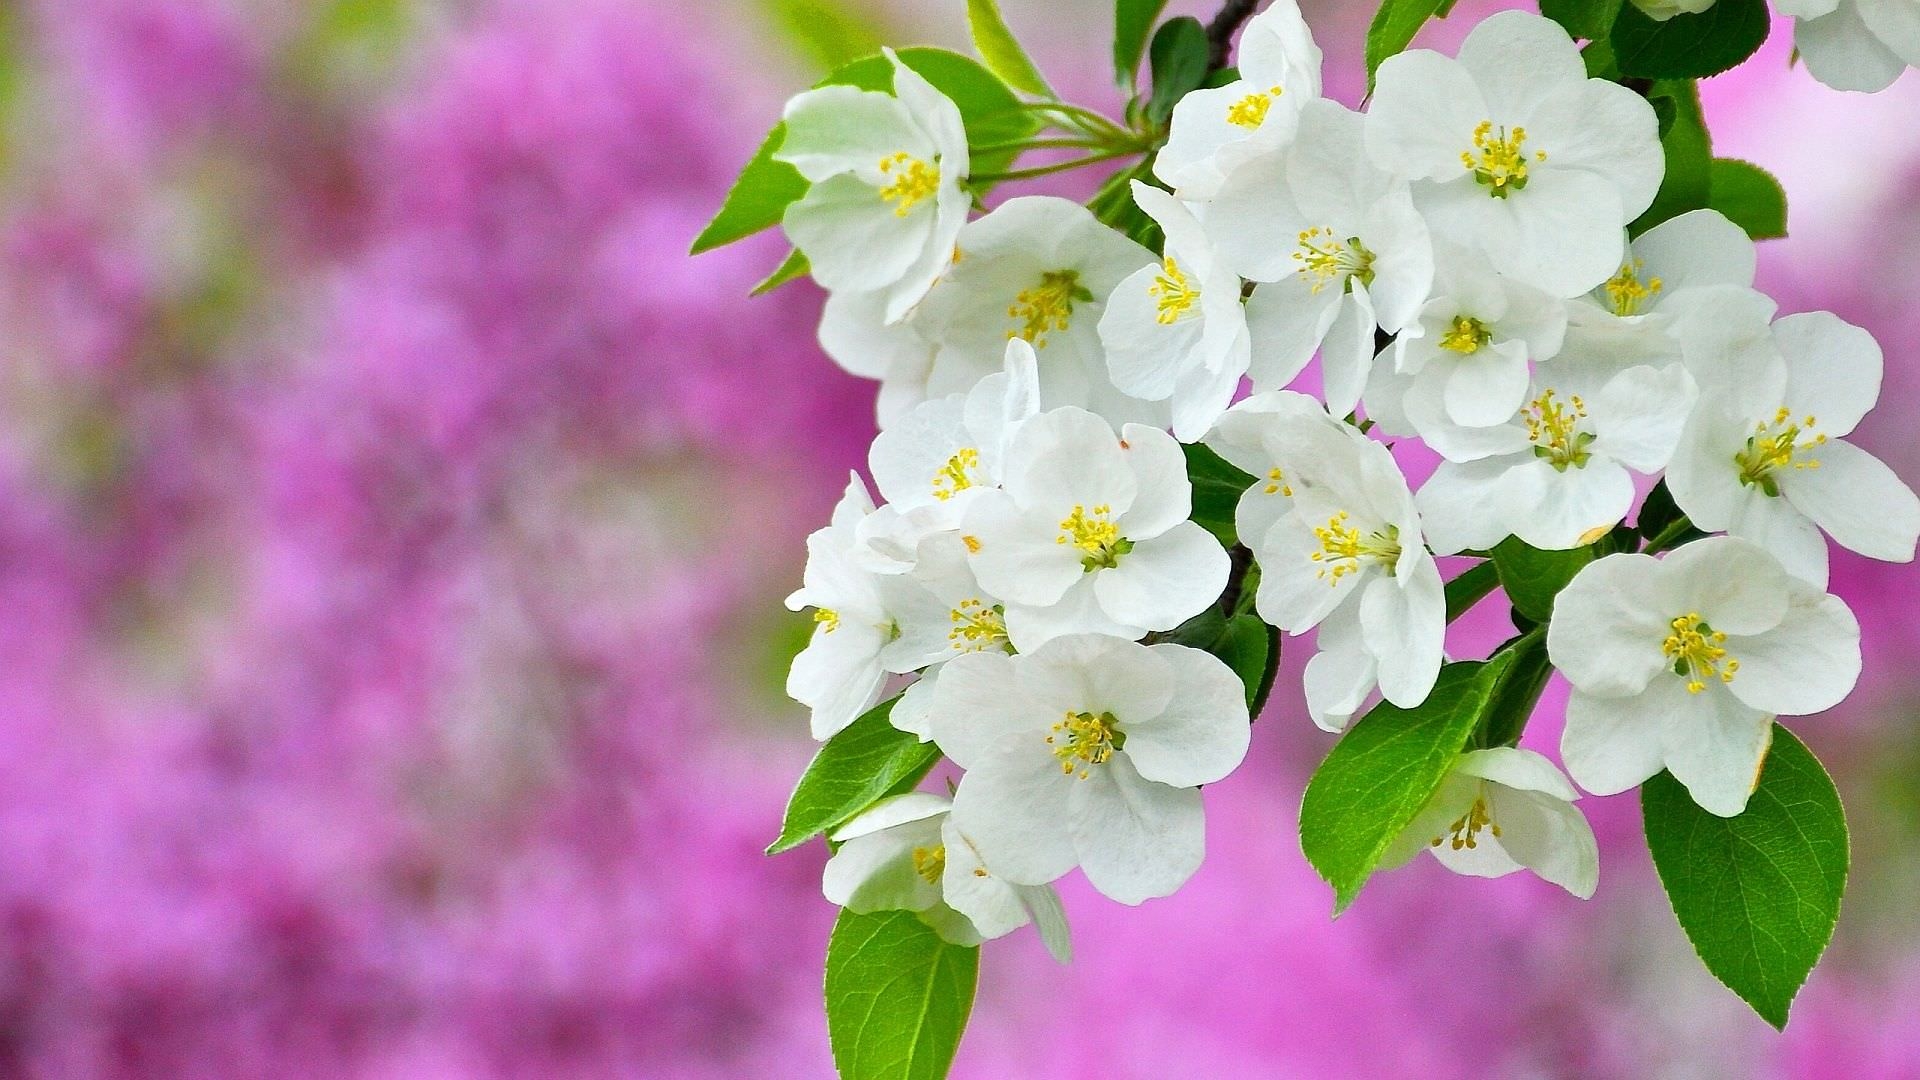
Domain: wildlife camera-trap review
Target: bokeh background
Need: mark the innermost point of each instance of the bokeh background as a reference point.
(392, 523)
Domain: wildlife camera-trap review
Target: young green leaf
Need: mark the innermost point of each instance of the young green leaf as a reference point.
(1758, 894)
(828, 32)
(852, 771)
(1132, 22)
(1517, 692)
(1470, 587)
(1252, 649)
(1588, 19)
(1001, 50)
(1688, 46)
(1394, 25)
(1689, 153)
(793, 266)
(1217, 487)
(757, 198)
(1178, 57)
(1532, 578)
(1750, 197)
(1384, 770)
(897, 996)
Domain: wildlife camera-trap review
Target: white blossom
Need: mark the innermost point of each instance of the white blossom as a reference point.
(1502, 810)
(887, 196)
(1515, 152)
(855, 334)
(1682, 663)
(1855, 44)
(1474, 339)
(1214, 129)
(904, 854)
(1090, 752)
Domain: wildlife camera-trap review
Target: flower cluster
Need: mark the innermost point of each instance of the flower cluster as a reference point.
(1478, 263)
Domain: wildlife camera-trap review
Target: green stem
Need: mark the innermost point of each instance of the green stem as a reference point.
(1668, 536)
(1047, 170)
(1042, 144)
(1075, 117)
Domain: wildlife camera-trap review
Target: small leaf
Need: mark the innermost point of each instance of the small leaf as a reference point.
(1588, 19)
(1217, 487)
(1750, 197)
(1394, 25)
(851, 772)
(1532, 577)
(1657, 512)
(1001, 50)
(1758, 894)
(1688, 46)
(1517, 692)
(1178, 57)
(897, 996)
(1384, 770)
(1132, 22)
(1689, 153)
(1470, 587)
(793, 266)
(757, 199)
(1252, 649)
(829, 32)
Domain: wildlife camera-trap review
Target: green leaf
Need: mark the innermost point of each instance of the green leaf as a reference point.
(1178, 57)
(1689, 153)
(1758, 894)
(829, 32)
(897, 996)
(1688, 46)
(852, 771)
(757, 198)
(1517, 692)
(1750, 197)
(1384, 770)
(793, 266)
(1217, 487)
(1470, 587)
(1394, 25)
(1588, 19)
(1132, 21)
(1001, 50)
(1252, 649)
(1532, 577)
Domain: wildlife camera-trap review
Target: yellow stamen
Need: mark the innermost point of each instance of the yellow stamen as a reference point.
(1627, 290)
(973, 544)
(1277, 483)
(1499, 161)
(1554, 430)
(1251, 111)
(1084, 740)
(1698, 652)
(1176, 294)
(1781, 444)
(953, 477)
(828, 618)
(1343, 549)
(1327, 260)
(1095, 533)
(1466, 336)
(930, 863)
(977, 626)
(1466, 829)
(910, 181)
(1047, 307)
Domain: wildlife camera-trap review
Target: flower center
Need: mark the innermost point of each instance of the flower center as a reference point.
(1095, 533)
(1326, 260)
(1176, 294)
(828, 618)
(1084, 740)
(1498, 160)
(1343, 548)
(978, 626)
(1627, 290)
(930, 863)
(1251, 111)
(1465, 830)
(1553, 427)
(909, 181)
(1781, 444)
(1698, 652)
(1466, 336)
(953, 478)
(1048, 306)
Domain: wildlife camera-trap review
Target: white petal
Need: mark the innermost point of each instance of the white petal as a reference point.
(1607, 627)
(1295, 591)
(1841, 52)
(1735, 585)
(1164, 581)
(1341, 674)
(1424, 109)
(1700, 247)
(1286, 321)
(1702, 475)
(1896, 23)
(1489, 387)
(1549, 836)
(1833, 369)
(836, 129)
(1640, 414)
(838, 675)
(1203, 733)
(1078, 611)
(1095, 673)
(1714, 746)
(1013, 805)
(1464, 505)
(851, 236)
(1565, 235)
(1608, 130)
(1135, 839)
(1521, 770)
(1145, 356)
(1570, 505)
(875, 872)
(1515, 56)
(1016, 555)
(892, 813)
(1043, 905)
(1160, 476)
(990, 904)
(906, 459)
(1404, 624)
(1347, 354)
(913, 713)
(973, 710)
(1808, 663)
(1858, 501)
(1791, 537)
(1068, 456)
(1611, 744)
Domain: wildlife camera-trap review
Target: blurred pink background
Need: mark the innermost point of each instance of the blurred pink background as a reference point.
(392, 524)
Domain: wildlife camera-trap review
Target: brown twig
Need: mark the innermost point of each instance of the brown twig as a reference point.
(1220, 31)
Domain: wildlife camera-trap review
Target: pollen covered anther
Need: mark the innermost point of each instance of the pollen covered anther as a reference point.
(909, 181)
(953, 477)
(1779, 444)
(1251, 111)
(1094, 532)
(1343, 548)
(1326, 260)
(1175, 295)
(1084, 740)
(1047, 307)
(1698, 652)
(1498, 160)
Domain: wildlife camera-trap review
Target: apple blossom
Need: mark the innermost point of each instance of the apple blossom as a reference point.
(1215, 128)
(1855, 44)
(1473, 340)
(1501, 810)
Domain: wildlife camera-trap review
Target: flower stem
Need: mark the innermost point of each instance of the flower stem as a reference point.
(1056, 167)
(1669, 536)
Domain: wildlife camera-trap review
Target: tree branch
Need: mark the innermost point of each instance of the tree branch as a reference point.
(1220, 31)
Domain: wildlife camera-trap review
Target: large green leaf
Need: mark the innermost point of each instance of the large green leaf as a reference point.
(1252, 649)
(1532, 577)
(1470, 587)
(1517, 691)
(1001, 50)
(1589, 19)
(828, 33)
(757, 199)
(867, 761)
(1689, 152)
(1750, 197)
(1217, 487)
(1394, 25)
(897, 997)
(1384, 770)
(1758, 894)
(1132, 23)
(1688, 46)
(1178, 56)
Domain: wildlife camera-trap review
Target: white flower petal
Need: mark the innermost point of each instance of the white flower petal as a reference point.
(1571, 504)
(1094, 673)
(972, 711)
(1611, 744)
(1160, 476)
(1833, 369)
(1640, 414)
(1521, 770)
(1203, 733)
(1135, 839)
(1078, 611)
(1607, 627)
(1858, 501)
(1841, 52)
(1166, 580)
(1700, 247)
(1550, 837)
(1341, 674)
(1714, 746)
(990, 904)
(1015, 554)
(1807, 664)
(851, 236)
(1013, 805)
(1286, 321)
(836, 129)
(1515, 56)
(1068, 456)
(1737, 586)
(1043, 905)
(1424, 109)
(1404, 625)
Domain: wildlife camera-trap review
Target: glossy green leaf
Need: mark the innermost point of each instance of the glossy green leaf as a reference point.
(897, 997)
(1750, 197)
(850, 772)
(1591, 20)
(1217, 487)
(1252, 649)
(1689, 153)
(1517, 691)
(757, 199)
(1470, 587)
(1532, 578)
(791, 267)
(1384, 770)
(1001, 50)
(1757, 894)
(1688, 46)
(1394, 25)
(829, 33)
(1178, 57)
(1132, 23)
